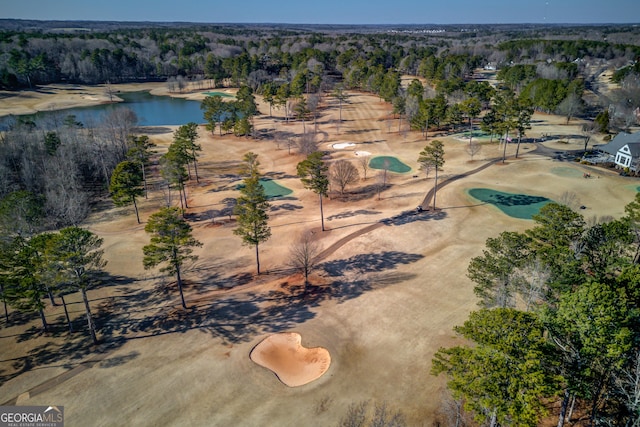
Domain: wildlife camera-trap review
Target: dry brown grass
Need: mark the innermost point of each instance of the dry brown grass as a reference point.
(388, 300)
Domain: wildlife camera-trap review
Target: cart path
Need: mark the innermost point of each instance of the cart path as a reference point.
(105, 352)
(389, 221)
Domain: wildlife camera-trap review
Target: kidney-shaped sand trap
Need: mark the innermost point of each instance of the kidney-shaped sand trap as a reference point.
(292, 363)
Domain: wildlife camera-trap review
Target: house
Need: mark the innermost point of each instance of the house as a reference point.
(623, 150)
(629, 156)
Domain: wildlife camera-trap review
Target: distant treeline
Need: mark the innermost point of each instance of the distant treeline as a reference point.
(254, 53)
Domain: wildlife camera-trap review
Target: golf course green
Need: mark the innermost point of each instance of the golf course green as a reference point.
(522, 206)
(390, 163)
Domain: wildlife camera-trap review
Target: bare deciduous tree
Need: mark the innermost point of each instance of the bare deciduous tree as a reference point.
(570, 199)
(588, 130)
(571, 106)
(307, 144)
(363, 160)
(451, 413)
(628, 384)
(359, 415)
(472, 149)
(534, 284)
(171, 84)
(304, 255)
(313, 103)
(343, 173)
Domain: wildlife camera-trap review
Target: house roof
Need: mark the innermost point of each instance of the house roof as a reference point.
(618, 142)
(634, 148)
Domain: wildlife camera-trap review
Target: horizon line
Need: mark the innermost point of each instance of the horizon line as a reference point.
(321, 24)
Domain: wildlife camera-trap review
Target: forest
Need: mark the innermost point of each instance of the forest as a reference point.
(551, 69)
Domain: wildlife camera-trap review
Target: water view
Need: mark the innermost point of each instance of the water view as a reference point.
(151, 110)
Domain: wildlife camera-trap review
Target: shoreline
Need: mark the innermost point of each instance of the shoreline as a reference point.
(57, 97)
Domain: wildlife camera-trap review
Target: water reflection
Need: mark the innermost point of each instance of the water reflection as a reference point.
(151, 110)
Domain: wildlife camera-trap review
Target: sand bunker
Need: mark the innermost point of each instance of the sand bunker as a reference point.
(343, 145)
(292, 363)
(362, 153)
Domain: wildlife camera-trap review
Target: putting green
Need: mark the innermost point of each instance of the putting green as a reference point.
(391, 163)
(271, 188)
(522, 206)
(222, 94)
(476, 134)
(567, 171)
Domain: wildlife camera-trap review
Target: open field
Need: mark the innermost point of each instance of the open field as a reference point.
(388, 297)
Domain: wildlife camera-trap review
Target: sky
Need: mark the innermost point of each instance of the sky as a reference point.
(330, 11)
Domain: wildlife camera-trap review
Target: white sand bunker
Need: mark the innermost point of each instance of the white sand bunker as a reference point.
(343, 145)
(362, 153)
(292, 363)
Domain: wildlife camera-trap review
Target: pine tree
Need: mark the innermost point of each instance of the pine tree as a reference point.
(433, 156)
(79, 257)
(313, 174)
(251, 208)
(171, 243)
(126, 185)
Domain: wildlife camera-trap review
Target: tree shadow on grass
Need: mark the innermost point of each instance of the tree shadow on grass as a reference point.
(241, 317)
(369, 263)
(408, 217)
(234, 319)
(514, 199)
(351, 214)
(345, 289)
(136, 313)
(285, 207)
(71, 348)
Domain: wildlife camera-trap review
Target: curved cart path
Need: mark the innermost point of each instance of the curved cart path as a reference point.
(104, 352)
(387, 221)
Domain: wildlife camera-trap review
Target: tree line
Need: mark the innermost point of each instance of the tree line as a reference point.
(60, 164)
(552, 73)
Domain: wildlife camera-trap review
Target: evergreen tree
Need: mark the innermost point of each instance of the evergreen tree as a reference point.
(78, 255)
(126, 185)
(23, 268)
(507, 374)
(185, 138)
(433, 156)
(313, 173)
(215, 111)
(140, 152)
(171, 244)
(251, 209)
(173, 171)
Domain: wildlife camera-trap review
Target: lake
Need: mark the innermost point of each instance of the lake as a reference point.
(151, 110)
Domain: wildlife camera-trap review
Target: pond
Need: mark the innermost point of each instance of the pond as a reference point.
(151, 110)
(522, 206)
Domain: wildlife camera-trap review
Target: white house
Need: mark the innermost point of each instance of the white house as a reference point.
(628, 156)
(624, 150)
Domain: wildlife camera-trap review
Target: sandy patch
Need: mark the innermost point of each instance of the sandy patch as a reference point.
(362, 153)
(292, 363)
(62, 96)
(343, 145)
